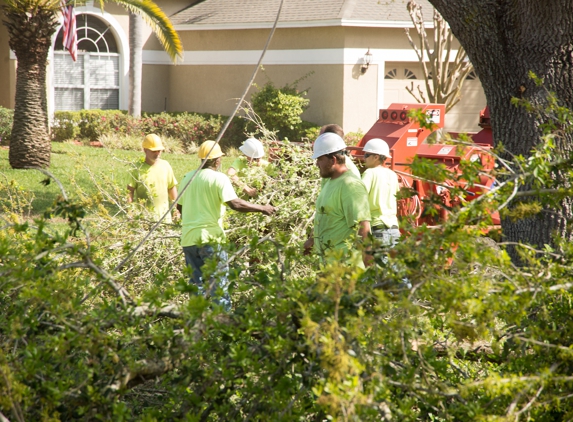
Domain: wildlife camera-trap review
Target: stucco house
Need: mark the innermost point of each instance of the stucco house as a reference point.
(321, 41)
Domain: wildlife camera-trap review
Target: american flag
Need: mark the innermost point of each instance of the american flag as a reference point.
(70, 40)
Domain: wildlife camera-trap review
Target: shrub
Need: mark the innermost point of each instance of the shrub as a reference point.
(186, 129)
(133, 143)
(280, 110)
(353, 138)
(94, 123)
(66, 125)
(6, 121)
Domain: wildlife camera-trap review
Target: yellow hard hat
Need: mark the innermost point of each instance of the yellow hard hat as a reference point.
(153, 142)
(209, 146)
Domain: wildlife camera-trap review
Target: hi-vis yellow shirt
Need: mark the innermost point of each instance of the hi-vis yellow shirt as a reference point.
(203, 205)
(152, 183)
(340, 206)
(382, 186)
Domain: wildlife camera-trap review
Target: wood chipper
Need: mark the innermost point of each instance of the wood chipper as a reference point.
(407, 139)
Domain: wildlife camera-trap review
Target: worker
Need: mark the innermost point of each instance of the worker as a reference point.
(342, 204)
(382, 186)
(152, 180)
(334, 128)
(253, 156)
(202, 207)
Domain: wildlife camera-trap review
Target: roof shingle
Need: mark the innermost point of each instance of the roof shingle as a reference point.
(220, 12)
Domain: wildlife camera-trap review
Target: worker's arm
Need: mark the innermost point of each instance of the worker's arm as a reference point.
(172, 193)
(364, 233)
(364, 230)
(173, 196)
(232, 173)
(130, 191)
(241, 205)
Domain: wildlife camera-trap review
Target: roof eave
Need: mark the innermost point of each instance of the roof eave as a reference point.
(298, 24)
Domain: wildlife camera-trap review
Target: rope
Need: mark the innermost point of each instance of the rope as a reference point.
(221, 133)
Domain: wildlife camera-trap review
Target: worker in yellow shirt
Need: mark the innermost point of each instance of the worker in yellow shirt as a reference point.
(253, 156)
(382, 186)
(152, 180)
(202, 207)
(342, 205)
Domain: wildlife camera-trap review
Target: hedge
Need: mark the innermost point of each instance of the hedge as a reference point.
(188, 127)
(6, 120)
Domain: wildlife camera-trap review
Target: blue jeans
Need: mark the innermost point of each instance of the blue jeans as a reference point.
(195, 257)
(389, 238)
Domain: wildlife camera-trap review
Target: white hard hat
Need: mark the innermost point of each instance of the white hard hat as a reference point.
(252, 148)
(377, 146)
(327, 143)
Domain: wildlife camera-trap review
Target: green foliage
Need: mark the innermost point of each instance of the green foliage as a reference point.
(188, 129)
(6, 122)
(280, 110)
(474, 338)
(352, 139)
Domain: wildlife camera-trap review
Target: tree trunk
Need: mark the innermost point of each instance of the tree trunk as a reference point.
(135, 63)
(30, 39)
(505, 41)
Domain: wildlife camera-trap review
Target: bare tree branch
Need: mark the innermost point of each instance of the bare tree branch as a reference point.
(443, 76)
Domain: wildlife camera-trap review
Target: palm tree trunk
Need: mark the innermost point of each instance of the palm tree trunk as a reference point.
(135, 63)
(30, 39)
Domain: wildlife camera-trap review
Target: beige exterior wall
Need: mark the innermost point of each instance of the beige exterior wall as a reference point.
(216, 89)
(255, 39)
(7, 71)
(339, 93)
(155, 88)
(360, 98)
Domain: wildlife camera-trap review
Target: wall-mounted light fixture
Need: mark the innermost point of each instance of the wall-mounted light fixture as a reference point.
(366, 62)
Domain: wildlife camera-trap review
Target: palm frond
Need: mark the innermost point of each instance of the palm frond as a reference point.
(159, 22)
(28, 6)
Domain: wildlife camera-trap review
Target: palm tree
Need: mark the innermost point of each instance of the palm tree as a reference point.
(31, 24)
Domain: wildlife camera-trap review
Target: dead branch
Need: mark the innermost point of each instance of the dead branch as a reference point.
(169, 311)
(142, 371)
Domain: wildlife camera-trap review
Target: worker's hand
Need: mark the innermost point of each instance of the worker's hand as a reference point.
(252, 192)
(268, 210)
(308, 245)
(176, 215)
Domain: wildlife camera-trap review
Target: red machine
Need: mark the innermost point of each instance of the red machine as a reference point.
(406, 139)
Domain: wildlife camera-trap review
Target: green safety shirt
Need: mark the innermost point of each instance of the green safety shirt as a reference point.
(340, 206)
(151, 184)
(203, 204)
(382, 186)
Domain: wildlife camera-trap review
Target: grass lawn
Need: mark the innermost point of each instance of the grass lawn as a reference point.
(73, 164)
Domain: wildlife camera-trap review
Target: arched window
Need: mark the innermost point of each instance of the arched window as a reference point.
(408, 74)
(391, 74)
(93, 80)
(400, 74)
